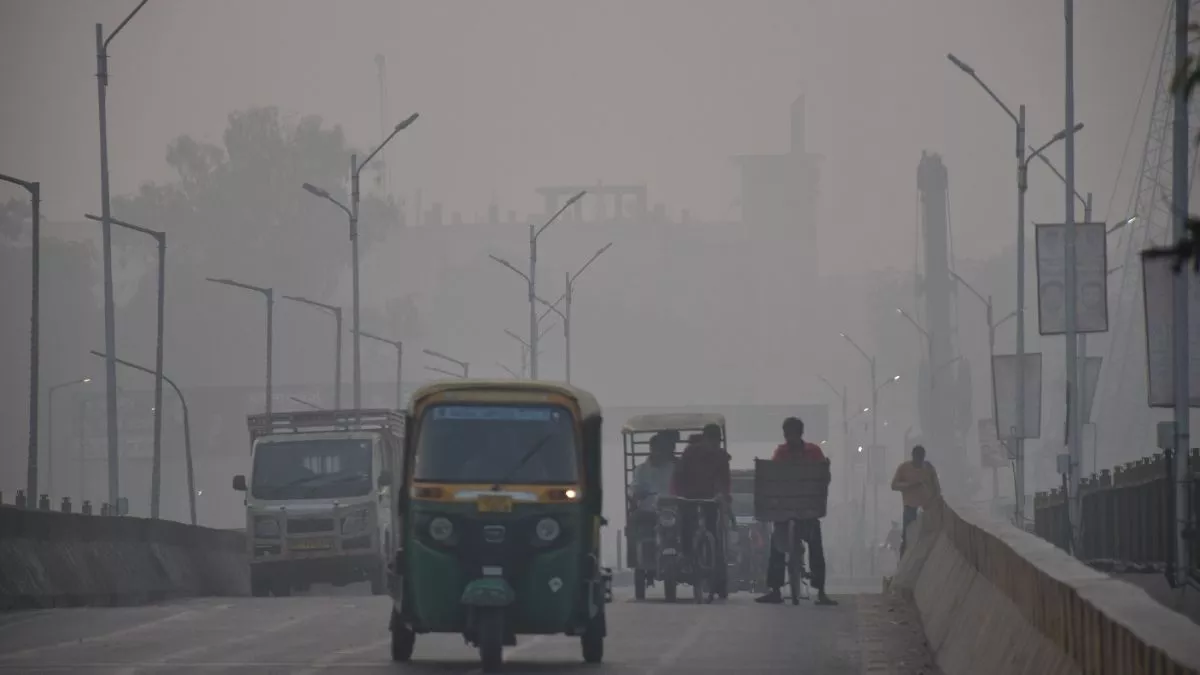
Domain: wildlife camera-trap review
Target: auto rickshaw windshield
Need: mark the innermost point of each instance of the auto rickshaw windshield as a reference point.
(515, 444)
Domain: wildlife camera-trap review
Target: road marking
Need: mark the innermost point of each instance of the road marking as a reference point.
(334, 657)
(224, 644)
(137, 628)
(681, 645)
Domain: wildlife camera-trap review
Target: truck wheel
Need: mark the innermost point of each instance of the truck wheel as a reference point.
(669, 589)
(403, 640)
(593, 639)
(489, 637)
(639, 584)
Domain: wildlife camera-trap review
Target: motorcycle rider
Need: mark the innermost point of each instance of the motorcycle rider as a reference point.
(795, 448)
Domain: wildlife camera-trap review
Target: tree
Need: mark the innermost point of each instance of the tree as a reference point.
(238, 210)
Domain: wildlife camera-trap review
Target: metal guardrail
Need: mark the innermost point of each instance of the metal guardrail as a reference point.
(44, 503)
(1127, 516)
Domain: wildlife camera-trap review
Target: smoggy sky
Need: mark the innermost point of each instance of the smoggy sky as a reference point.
(515, 94)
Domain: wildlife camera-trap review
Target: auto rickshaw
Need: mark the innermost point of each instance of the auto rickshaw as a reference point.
(652, 539)
(500, 508)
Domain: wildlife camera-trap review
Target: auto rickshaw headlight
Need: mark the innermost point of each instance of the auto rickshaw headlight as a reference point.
(548, 529)
(666, 519)
(440, 529)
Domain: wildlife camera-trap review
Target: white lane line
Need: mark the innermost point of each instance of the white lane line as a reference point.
(337, 656)
(132, 630)
(166, 660)
(684, 643)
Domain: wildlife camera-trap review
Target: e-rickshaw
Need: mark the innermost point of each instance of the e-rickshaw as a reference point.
(653, 539)
(500, 513)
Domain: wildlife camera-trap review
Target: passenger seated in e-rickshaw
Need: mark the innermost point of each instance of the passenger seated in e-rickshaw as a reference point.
(652, 479)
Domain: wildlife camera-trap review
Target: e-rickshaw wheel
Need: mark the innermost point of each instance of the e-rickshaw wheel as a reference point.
(639, 584)
(669, 589)
(592, 639)
(489, 637)
(403, 640)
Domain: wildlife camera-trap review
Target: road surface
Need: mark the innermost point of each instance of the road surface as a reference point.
(316, 635)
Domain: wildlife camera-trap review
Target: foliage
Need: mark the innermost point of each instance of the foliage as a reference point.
(15, 217)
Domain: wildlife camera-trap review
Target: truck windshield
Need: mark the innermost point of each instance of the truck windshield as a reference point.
(496, 444)
(312, 468)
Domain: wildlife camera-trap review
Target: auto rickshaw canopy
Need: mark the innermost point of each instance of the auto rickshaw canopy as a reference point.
(588, 405)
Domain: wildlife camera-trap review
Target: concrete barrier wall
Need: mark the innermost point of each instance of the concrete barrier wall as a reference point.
(996, 600)
(52, 559)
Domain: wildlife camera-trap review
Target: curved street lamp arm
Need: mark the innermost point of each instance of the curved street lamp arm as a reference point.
(510, 266)
(324, 194)
(591, 260)
(516, 337)
(457, 376)
(916, 325)
(829, 384)
(971, 72)
(372, 336)
(969, 287)
(508, 370)
(397, 129)
(854, 344)
(570, 202)
(129, 226)
(28, 185)
(122, 24)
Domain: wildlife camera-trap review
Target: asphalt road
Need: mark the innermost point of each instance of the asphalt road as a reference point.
(348, 633)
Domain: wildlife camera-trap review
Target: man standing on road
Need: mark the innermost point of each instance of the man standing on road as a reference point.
(796, 449)
(917, 482)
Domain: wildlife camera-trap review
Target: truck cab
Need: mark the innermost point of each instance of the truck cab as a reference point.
(319, 498)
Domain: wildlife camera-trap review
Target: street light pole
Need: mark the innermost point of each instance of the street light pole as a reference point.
(1074, 407)
(337, 369)
(110, 329)
(269, 294)
(1182, 391)
(531, 279)
(35, 198)
(160, 239)
(187, 429)
(356, 169)
(399, 345)
(928, 341)
(50, 430)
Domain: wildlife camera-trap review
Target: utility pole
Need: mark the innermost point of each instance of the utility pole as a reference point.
(1179, 211)
(31, 469)
(1074, 400)
(110, 322)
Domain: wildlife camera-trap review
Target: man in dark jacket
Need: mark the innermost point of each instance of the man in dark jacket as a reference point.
(702, 472)
(796, 449)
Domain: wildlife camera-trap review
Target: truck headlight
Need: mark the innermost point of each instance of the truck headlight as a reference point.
(266, 527)
(548, 529)
(441, 529)
(354, 523)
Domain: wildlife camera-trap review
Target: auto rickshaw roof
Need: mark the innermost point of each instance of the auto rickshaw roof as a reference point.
(682, 421)
(588, 405)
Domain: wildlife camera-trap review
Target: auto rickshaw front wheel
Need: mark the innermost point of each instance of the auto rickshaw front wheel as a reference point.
(489, 637)
(403, 640)
(593, 639)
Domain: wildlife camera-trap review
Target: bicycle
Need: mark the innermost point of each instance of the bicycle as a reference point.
(703, 559)
(799, 576)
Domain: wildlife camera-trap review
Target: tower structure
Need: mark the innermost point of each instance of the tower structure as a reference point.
(944, 389)
(1125, 423)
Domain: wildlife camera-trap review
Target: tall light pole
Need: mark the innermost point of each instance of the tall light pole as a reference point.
(356, 168)
(110, 322)
(1074, 407)
(160, 239)
(1018, 435)
(843, 397)
(872, 469)
(525, 346)
(531, 279)
(1179, 212)
(337, 368)
(269, 295)
(35, 199)
(399, 346)
(50, 429)
(187, 430)
(567, 296)
(466, 367)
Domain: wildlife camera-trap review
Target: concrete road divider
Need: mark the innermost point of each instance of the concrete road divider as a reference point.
(995, 600)
(50, 559)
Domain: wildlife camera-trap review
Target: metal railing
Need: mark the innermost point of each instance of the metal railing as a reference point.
(44, 503)
(1126, 518)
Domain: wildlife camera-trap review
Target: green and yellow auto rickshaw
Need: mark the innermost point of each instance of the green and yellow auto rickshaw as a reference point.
(499, 511)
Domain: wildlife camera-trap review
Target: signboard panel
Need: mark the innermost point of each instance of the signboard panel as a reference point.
(1004, 392)
(992, 453)
(1158, 284)
(1091, 278)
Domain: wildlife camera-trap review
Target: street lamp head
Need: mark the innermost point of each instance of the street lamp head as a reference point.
(314, 190)
(85, 380)
(866, 410)
(900, 311)
(961, 66)
(895, 378)
(579, 195)
(408, 121)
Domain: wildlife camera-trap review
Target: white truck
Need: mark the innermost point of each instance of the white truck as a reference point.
(319, 498)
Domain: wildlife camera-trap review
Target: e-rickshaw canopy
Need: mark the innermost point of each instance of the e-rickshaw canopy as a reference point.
(683, 421)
